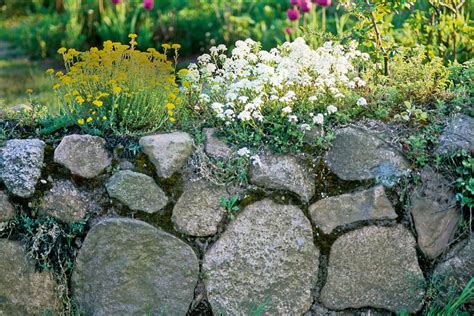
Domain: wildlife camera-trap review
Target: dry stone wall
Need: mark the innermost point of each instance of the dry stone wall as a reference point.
(159, 240)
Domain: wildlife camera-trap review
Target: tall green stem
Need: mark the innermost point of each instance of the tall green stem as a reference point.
(378, 37)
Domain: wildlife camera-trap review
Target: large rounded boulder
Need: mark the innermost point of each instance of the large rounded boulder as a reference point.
(128, 267)
(374, 267)
(266, 259)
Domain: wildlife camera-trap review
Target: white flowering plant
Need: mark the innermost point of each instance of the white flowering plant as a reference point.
(272, 98)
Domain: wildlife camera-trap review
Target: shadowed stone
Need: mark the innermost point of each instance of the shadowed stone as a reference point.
(137, 190)
(345, 209)
(198, 211)
(283, 172)
(215, 147)
(168, 152)
(458, 134)
(266, 256)
(454, 273)
(21, 161)
(434, 211)
(7, 212)
(67, 202)
(374, 267)
(23, 291)
(357, 154)
(128, 267)
(84, 155)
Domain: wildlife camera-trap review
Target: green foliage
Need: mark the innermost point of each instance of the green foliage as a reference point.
(445, 28)
(462, 164)
(38, 35)
(462, 78)
(411, 79)
(411, 113)
(55, 123)
(230, 205)
(454, 307)
(418, 146)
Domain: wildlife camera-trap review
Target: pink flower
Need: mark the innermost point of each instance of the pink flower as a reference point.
(305, 6)
(293, 14)
(294, 2)
(288, 30)
(323, 3)
(116, 1)
(148, 4)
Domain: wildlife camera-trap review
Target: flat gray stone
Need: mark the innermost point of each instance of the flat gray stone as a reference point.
(344, 209)
(374, 267)
(168, 152)
(23, 291)
(84, 155)
(435, 213)
(215, 147)
(128, 267)
(357, 154)
(198, 211)
(68, 203)
(266, 256)
(283, 172)
(137, 190)
(458, 134)
(7, 212)
(455, 271)
(21, 162)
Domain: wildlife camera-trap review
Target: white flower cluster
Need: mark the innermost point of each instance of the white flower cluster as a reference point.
(292, 80)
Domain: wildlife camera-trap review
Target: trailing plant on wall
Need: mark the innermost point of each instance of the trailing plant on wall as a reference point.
(273, 97)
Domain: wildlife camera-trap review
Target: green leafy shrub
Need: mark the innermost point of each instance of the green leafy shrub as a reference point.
(411, 79)
(462, 77)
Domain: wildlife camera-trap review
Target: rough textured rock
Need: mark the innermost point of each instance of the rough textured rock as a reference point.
(266, 255)
(215, 147)
(84, 155)
(128, 267)
(6, 208)
(67, 202)
(452, 275)
(458, 134)
(137, 190)
(345, 209)
(22, 290)
(434, 211)
(21, 162)
(374, 266)
(168, 152)
(283, 172)
(198, 211)
(357, 154)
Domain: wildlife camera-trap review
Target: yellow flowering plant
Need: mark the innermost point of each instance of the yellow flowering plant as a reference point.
(119, 88)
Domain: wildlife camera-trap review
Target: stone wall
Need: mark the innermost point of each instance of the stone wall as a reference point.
(314, 235)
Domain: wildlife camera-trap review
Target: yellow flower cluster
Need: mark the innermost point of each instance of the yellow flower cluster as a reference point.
(118, 86)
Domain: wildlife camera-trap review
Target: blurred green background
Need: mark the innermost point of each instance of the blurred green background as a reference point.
(32, 31)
